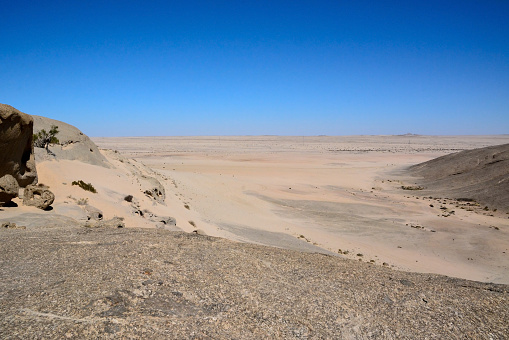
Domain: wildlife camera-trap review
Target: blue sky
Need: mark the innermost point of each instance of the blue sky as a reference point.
(153, 68)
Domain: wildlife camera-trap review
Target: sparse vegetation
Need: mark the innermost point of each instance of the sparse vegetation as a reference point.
(463, 199)
(82, 201)
(43, 139)
(411, 187)
(85, 186)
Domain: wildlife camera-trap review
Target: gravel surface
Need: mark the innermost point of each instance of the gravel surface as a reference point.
(77, 282)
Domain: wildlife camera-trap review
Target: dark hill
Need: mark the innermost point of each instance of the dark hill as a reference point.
(479, 174)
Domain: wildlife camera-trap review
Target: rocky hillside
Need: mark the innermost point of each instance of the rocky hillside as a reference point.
(480, 174)
(77, 282)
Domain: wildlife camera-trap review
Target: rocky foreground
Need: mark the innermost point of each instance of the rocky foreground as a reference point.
(78, 282)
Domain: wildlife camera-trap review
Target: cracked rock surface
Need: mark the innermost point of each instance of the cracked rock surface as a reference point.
(76, 282)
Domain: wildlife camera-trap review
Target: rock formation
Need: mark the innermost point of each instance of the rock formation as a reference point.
(72, 145)
(115, 222)
(93, 213)
(152, 188)
(9, 189)
(38, 196)
(17, 156)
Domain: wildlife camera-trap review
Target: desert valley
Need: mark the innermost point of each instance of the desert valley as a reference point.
(340, 194)
(357, 211)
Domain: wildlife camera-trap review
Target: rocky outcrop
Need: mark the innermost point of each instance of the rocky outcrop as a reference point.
(93, 213)
(479, 174)
(38, 196)
(72, 144)
(16, 156)
(9, 189)
(153, 189)
(130, 283)
(11, 225)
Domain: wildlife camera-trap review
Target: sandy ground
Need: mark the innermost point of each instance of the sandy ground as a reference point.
(342, 194)
(329, 194)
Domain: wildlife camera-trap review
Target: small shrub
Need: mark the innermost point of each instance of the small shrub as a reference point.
(411, 187)
(186, 206)
(192, 223)
(128, 198)
(85, 186)
(82, 201)
(463, 199)
(43, 139)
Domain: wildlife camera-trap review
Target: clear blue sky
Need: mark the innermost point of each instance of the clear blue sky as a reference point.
(141, 68)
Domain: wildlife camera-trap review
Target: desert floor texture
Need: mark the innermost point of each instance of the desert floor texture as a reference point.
(341, 195)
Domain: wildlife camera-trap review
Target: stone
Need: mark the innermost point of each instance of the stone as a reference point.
(93, 213)
(17, 157)
(9, 189)
(38, 196)
(166, 220)
(11, 225)
(115, 222)
(153, 189)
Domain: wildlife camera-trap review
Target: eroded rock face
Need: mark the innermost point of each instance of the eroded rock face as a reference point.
(17, 152)
(93, 213)
(9, 189)
(153, 188)
(72, 145)
(38, 196)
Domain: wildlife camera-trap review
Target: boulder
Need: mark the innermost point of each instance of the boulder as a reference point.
(153, 189)
(9, 189)
(17, 156)
(169, 221)
(115, 222)
(93, 213)
(38, 196)
(11, 225)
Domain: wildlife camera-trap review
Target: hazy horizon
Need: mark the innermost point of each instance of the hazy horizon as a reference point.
(266, 68)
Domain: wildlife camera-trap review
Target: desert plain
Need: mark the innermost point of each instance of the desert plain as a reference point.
(338, 195)
(259, 237)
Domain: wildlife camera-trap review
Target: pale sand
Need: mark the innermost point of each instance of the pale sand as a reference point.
(337, 192)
